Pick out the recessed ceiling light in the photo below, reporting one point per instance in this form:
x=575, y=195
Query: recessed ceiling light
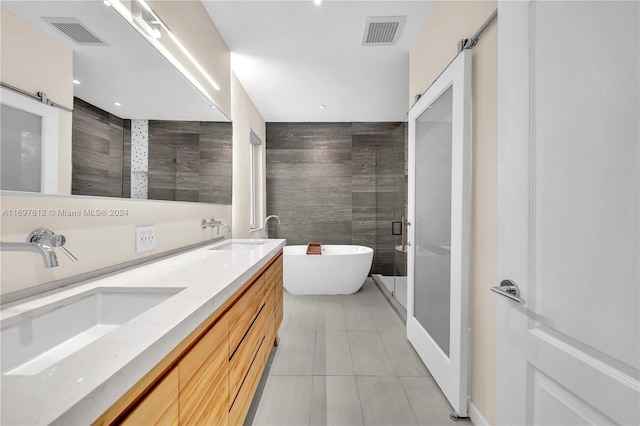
x=323, y=106
x=318, y=2
x=117, y=103
x=76, y=81
x=212, y=106
x=106, y=2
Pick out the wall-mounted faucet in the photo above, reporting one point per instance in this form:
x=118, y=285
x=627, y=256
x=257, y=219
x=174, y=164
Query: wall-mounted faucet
x=266, y=229
x=214, y=224
x=41, y=241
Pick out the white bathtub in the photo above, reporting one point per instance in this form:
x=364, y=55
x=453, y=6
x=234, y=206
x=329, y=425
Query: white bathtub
x=339, y=270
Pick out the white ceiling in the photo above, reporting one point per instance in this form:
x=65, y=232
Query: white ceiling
x=129, y=70
x=291, y=57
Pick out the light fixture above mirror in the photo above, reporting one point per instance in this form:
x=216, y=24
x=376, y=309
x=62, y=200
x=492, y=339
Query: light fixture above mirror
x=145, y=19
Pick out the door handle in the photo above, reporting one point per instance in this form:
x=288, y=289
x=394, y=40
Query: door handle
x=405, y=243
x=510, y=290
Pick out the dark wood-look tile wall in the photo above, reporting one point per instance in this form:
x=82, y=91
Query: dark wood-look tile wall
x=188, y=160
x=335, y=183
x=126, y=159
x=97, y=151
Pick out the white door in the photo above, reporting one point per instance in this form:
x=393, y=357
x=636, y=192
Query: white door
x=568, y=213
x=28, y=144
x=438, y=209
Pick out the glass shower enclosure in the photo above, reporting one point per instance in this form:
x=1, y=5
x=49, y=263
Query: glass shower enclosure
x=391, y=172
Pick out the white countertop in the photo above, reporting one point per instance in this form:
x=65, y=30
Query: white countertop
x=81, y=387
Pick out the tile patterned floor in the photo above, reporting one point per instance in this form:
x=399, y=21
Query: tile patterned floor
x=345, y=360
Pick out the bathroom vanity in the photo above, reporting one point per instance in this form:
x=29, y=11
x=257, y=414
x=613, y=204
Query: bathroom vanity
x=193, y=355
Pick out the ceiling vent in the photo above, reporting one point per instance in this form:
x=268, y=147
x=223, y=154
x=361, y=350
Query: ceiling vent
x=75, y=30
x=382, y=30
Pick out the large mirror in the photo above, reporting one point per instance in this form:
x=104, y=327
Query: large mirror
x=140, y=128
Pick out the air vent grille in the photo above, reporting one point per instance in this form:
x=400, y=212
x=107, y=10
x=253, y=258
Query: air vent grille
x=383, y=30
x=75, y=30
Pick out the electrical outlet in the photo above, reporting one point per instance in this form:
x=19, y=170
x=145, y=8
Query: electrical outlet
x=145, y=238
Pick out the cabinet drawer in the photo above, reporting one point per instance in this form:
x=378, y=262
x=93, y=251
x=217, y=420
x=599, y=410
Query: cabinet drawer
x=270, y=273
x=279, y=290
x=278, y=264
x=243, y=312
x=278, y=310
x=160, y=406
x=245, y=355
x=241, y=405
x=204, y=390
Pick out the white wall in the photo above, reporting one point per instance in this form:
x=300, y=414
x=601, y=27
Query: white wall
x=247, y=118
x=97, y=242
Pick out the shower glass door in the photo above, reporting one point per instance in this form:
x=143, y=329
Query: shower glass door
x=438, y=232
x=400, y=215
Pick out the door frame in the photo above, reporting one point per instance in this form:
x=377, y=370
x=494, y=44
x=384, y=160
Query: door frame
x=450, y=372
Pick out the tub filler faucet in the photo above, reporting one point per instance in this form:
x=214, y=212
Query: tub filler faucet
x=266, y=230
x=41, y=241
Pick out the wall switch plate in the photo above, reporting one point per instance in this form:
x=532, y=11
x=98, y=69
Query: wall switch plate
x=145, y=238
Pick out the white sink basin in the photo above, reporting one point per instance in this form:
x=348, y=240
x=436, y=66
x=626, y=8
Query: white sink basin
x=239, y=246
x=46, y=335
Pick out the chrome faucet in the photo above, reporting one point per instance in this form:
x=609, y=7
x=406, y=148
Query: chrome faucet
x=214, y=224
x=266, y=230
x=41, y=241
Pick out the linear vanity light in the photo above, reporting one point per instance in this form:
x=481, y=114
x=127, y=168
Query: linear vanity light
x=191, y=58
x=175, y=39
x=144, y=17
x=119, y=7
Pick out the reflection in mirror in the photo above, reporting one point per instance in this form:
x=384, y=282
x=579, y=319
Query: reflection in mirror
x=20, y=154
x=29, y=144
x=140, y=128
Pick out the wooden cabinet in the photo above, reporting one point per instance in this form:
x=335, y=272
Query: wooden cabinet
x=279, y=294
x=212, y=376
x=160, y=406
x=204, y=376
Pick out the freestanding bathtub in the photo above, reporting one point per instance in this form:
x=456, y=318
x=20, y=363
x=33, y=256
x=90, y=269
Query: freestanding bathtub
x=338, y=270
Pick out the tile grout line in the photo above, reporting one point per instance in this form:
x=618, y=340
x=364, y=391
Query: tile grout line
x=313, y=366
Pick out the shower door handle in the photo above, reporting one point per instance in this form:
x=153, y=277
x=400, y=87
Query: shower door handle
x=405, y=243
